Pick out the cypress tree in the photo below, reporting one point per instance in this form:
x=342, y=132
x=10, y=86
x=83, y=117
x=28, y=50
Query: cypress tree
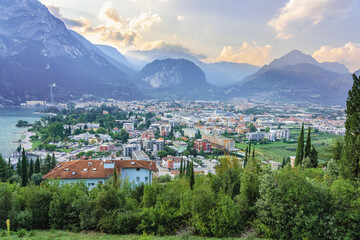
x=115, y=178
x=31, y=168
x=24, y=171
x=249, y=148
x=181, y=167
x=283, y=162
x=300, y=148
x=192, y=177
x=10, y=169
x=37, y=165
x=188, y=168
x=246, y=156
x=18, y=167
x=53, y=161
x=308, y=144
x=3, y=170
x=253, y=153
x=349, y=161
x=313, y=157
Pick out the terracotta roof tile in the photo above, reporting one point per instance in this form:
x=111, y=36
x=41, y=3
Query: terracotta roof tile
x=83, y=169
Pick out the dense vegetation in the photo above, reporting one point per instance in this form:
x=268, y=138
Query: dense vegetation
x=286, y=203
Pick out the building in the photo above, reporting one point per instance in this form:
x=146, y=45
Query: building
x=172, y=162
x=201, y=144
x=128, y=126
x=222, y=142
x=129, y=148
x=153, y=145
x=282, y=134
x=140, y=155
x=180, y=146
x=189, y=132
x=107, y=147
x=165, y=130
x=95, y=172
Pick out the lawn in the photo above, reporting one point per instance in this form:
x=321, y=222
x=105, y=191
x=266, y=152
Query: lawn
x=35, y=144
x=64, y=235
x=275, y=151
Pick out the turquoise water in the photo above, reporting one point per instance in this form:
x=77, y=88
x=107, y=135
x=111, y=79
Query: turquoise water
x=9, y=133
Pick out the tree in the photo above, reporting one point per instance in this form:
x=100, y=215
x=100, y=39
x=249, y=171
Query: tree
x=300, y=148
x=115, y=178
x=308, y=144
x=313, y=157
x=31, y=168
x=3, y=170
x=192, y=177
x=162, y=153
x=37, y=165
x=253, y=153
x=53, y=162
x=181, y=167
x=349, y=162
x=332, y=168
x=46, y=167
x=24, y=171
x=246, y=156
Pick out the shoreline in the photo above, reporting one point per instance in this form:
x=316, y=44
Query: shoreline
x=25, y=141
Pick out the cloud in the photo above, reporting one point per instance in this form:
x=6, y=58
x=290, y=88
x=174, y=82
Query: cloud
x=250, y=53
x=69, y=22
x=180, y=18
x=298, y=15
x=113, y=28
x=347, y=55
x=165, y=46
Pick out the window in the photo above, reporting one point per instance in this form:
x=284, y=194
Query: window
x=100, y=182
x=138, y=179
x=146, y=179
x=138, y=169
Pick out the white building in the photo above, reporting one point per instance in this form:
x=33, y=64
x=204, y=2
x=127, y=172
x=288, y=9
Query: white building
x=129, y=148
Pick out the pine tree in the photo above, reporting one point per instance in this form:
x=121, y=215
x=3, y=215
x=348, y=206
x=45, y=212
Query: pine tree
x=192, y=177
x=37, y=165
x=31, y=168
x=349, y=161
x=308, y=144
x=24, y=171
x=300, y=148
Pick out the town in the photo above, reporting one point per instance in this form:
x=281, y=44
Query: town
x=167, y=133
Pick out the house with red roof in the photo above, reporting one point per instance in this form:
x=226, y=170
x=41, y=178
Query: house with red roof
x=95, y=172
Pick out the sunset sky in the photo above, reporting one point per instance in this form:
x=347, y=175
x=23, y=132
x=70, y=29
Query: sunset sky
x=243, y=31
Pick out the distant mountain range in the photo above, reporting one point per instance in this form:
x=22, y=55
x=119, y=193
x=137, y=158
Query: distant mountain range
x=296, y=77
x=37, y=50
x=215, y=73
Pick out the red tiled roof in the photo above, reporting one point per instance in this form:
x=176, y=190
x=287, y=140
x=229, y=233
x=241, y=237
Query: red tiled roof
x=95, y=168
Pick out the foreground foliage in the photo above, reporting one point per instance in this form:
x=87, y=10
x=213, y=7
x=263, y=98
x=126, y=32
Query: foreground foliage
x=286, y=203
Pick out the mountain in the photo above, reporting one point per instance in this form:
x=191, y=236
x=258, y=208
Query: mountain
x=36, y=50
x=295, y=77
x=173, y=78
x=236, y=71
x=297, y=57
x=142, y=57
x=115, y=54
x=98, y=49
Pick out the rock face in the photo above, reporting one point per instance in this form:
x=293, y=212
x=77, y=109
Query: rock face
x=36, y=50
x=296, y=77
x=173, y=77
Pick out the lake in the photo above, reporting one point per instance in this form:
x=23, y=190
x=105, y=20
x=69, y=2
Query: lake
x=9, y=133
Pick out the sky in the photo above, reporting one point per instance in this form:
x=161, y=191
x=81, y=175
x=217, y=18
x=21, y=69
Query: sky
x=243, y=31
